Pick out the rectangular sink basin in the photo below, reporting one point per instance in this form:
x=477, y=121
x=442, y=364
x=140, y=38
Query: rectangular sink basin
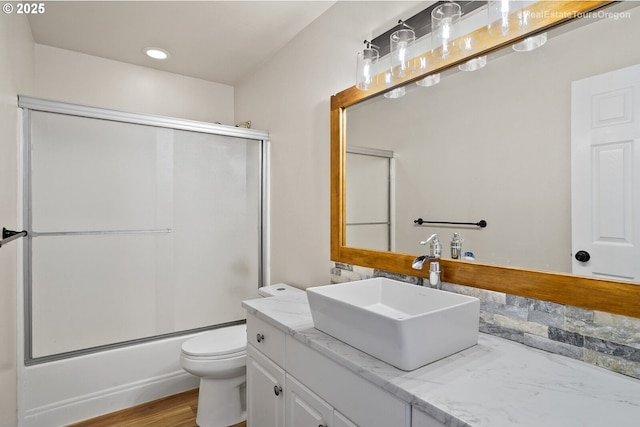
x=407, y=326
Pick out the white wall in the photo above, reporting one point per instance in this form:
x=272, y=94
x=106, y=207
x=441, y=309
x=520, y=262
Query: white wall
x=290, y=96
x=63, y=75
x=16, y=67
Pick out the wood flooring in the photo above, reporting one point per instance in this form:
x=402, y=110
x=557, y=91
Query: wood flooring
x=173, y=411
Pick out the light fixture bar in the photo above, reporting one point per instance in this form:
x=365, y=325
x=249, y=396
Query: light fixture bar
x=421, y=23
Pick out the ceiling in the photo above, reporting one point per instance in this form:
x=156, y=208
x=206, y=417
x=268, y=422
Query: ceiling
x=219, y=41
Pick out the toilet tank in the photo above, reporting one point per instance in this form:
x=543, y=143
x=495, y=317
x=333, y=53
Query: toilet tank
x=279, y=290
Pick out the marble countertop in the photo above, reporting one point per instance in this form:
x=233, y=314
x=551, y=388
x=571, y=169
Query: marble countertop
x=493, y=384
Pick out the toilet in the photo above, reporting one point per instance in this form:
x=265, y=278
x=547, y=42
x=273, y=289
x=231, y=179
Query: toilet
x=219, y=358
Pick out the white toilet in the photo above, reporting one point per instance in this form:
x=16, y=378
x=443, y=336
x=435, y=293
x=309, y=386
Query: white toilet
x=219, y=358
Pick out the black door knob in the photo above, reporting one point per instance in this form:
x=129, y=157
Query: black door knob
x=583, y=256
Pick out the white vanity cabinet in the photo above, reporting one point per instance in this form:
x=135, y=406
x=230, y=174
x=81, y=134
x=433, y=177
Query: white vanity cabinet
x=265, y=375
x=340, y=420
x=304, y=407
x=265, y=391
x=313, y=389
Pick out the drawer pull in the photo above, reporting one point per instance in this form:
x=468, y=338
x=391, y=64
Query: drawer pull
x=277, y=390
x=260, y=337
x=322, y=425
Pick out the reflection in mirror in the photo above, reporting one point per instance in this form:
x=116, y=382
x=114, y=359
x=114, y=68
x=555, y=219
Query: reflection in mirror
x=494, y=144
x=370, y=189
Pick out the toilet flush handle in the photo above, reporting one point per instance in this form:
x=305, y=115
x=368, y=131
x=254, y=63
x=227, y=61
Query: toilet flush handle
x=260, y=337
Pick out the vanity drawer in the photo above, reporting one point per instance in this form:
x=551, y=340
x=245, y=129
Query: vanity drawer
x=266, y=338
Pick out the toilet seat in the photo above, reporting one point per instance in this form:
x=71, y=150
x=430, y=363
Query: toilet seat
x=222, y=343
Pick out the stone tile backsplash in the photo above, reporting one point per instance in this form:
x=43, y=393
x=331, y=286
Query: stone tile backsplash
x=607, y=340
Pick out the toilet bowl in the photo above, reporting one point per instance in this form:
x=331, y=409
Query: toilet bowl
x=219, y=358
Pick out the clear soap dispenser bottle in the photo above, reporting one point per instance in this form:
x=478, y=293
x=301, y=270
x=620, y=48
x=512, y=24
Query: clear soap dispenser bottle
x=456, y=246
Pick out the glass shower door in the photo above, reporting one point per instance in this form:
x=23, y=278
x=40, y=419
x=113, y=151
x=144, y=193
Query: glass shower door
x=136, y=231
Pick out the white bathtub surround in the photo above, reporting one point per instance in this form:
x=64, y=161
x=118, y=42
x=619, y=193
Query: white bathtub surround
x=607, y=340
x=71, y=390
x=496, y=383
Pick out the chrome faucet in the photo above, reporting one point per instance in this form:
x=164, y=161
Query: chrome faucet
x=419, y=261
x=434, y=268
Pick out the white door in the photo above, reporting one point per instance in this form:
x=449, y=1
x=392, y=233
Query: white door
x=605, y=181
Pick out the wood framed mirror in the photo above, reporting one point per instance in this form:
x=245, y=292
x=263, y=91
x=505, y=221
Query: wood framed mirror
x=604, y=295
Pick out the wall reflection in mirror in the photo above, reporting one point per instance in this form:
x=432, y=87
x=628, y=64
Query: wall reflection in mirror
x=494, y=144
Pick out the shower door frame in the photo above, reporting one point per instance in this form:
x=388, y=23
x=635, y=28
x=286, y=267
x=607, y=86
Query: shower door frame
x=28, y=104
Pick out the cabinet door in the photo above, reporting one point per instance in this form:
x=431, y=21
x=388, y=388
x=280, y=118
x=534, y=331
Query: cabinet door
x=305, y=408
x=265, y=391
x=340, y=420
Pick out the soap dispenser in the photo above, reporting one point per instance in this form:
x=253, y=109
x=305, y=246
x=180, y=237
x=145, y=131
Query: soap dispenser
x=456, y=246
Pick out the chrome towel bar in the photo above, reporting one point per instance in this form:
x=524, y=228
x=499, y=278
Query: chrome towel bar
x=482, y=223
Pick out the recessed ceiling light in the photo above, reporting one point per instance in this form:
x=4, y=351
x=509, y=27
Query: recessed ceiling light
x=156, y=53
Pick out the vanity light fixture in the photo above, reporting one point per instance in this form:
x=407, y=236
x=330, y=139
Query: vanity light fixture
x=530, y=43
x=431, y=80
x=474, y=64
x=444, y=27
x=401, y=42
x=499, y=13
x=398, y=92
x=395, y=93
x=365, y=74
x=156, y=53
x=441, y=17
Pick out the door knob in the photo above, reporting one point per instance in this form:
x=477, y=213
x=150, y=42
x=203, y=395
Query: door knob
x=583, y=256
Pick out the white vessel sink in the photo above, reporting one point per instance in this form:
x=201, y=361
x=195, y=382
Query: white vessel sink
x=405, y=325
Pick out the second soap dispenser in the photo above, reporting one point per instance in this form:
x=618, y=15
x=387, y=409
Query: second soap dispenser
x=456, y=246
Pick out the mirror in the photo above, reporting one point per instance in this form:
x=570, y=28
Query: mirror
x=529, y=216
x=491, y=145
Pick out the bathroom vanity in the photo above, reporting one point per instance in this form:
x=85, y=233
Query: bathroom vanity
x=290, y=384
x=298, y=376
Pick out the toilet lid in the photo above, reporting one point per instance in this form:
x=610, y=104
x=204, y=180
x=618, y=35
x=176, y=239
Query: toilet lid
x=226, y=340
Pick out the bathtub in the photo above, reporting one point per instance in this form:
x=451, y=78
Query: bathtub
x=75, y=389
